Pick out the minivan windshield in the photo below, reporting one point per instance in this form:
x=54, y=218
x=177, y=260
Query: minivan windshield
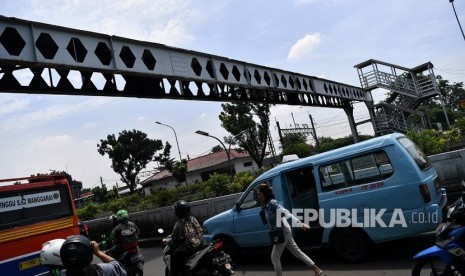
x=415, y=152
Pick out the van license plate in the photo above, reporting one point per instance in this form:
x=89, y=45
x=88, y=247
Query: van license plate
x=29, y=263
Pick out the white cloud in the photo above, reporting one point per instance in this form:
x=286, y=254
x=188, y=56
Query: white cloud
x=14, y=104
x=161, y=21
x=23, y=118
x=302, y=2
x=173, y=33
x=91, y=125
x=303, y=47
x=57, y=141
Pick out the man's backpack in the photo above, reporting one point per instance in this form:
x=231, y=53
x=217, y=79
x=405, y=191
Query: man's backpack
x=129, y=238
x=193, y=233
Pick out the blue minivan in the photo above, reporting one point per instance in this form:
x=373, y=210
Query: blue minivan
x=377, y=190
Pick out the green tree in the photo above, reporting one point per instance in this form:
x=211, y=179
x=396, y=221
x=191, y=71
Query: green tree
x=129, y=153
x=460, y=124
x=165, y=156
x=328, y=143
x=178, y=170
x=68, y=177
x=218, y=184
x=113, y=193
x=239, y=117
x=301, y=149
x=295, y=143
x=293, y=138
x=100, y=194
x=451, y=93
x=433, y=141
x=217, y=148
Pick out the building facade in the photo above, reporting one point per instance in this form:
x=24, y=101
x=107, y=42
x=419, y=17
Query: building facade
x=199, y=169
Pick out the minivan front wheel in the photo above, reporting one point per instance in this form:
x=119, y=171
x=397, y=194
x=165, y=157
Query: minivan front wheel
x=351, y=245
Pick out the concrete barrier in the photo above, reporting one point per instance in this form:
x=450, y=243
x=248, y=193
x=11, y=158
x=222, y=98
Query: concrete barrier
x=149, y=221
x=451, y=171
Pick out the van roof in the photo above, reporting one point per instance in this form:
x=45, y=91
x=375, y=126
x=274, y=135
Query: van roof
x=339, y=153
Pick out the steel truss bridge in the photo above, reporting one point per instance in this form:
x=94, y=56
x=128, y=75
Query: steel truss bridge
x=39, y=58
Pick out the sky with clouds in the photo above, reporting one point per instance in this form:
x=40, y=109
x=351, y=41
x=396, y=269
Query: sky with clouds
x=322, y=38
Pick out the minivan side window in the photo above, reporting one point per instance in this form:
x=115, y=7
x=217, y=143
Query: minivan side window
x=250, y=200
x=302, y=187
x=358, y=170
x=420, y=158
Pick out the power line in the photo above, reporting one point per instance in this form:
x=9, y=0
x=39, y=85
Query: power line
x=451, y=71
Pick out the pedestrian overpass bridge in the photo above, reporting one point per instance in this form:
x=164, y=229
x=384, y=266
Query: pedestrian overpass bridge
x=39, y=58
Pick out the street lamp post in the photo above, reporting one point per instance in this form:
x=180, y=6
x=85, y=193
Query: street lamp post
x=176, y=137
x=458, y=21
x=225, y=149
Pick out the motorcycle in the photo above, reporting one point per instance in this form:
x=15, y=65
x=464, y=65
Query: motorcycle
x=447, y=257
x=132, y=260
x=210, y=260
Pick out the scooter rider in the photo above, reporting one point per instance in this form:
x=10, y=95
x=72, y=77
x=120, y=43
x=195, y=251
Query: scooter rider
x=119, y=237
x=107, y=243
x=186, y=239
x=76, y=254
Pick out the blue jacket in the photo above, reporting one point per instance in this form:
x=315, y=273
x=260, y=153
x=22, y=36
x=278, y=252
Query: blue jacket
x=270, y=209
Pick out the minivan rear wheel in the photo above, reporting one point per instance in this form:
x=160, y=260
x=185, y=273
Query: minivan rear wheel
x=351, y=245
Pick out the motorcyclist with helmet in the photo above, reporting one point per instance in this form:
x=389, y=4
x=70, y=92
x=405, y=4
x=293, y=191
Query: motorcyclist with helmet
x=186, y=238
x=76, y=254
x=123, y=222
x=107, y=243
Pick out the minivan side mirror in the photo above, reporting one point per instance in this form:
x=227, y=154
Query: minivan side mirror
x=238, y=207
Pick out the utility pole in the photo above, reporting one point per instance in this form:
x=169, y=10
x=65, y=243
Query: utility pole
x=272, y=149
x=314, y=131
x=292, y=114
x=279, y=133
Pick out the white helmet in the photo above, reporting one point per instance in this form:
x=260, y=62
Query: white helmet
x=50, y=253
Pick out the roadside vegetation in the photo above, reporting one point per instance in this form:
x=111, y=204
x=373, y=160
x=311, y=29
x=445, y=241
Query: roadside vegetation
x=217, y=185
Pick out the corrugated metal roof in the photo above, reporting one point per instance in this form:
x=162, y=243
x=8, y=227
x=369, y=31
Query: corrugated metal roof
x=213, y=159
x=201, y=162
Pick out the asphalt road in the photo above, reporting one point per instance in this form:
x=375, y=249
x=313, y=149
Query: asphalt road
x=388, y=259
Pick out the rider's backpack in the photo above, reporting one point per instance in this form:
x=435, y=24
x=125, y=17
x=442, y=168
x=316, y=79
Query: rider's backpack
x=129, y=238
x=193, y=233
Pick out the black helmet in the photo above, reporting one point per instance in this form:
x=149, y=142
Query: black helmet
x=76, y=251
x=182, y=208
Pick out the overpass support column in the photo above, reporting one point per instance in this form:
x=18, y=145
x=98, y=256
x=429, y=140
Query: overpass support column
x=349, y=110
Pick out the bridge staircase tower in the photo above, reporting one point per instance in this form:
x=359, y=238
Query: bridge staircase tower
x=408, y=89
